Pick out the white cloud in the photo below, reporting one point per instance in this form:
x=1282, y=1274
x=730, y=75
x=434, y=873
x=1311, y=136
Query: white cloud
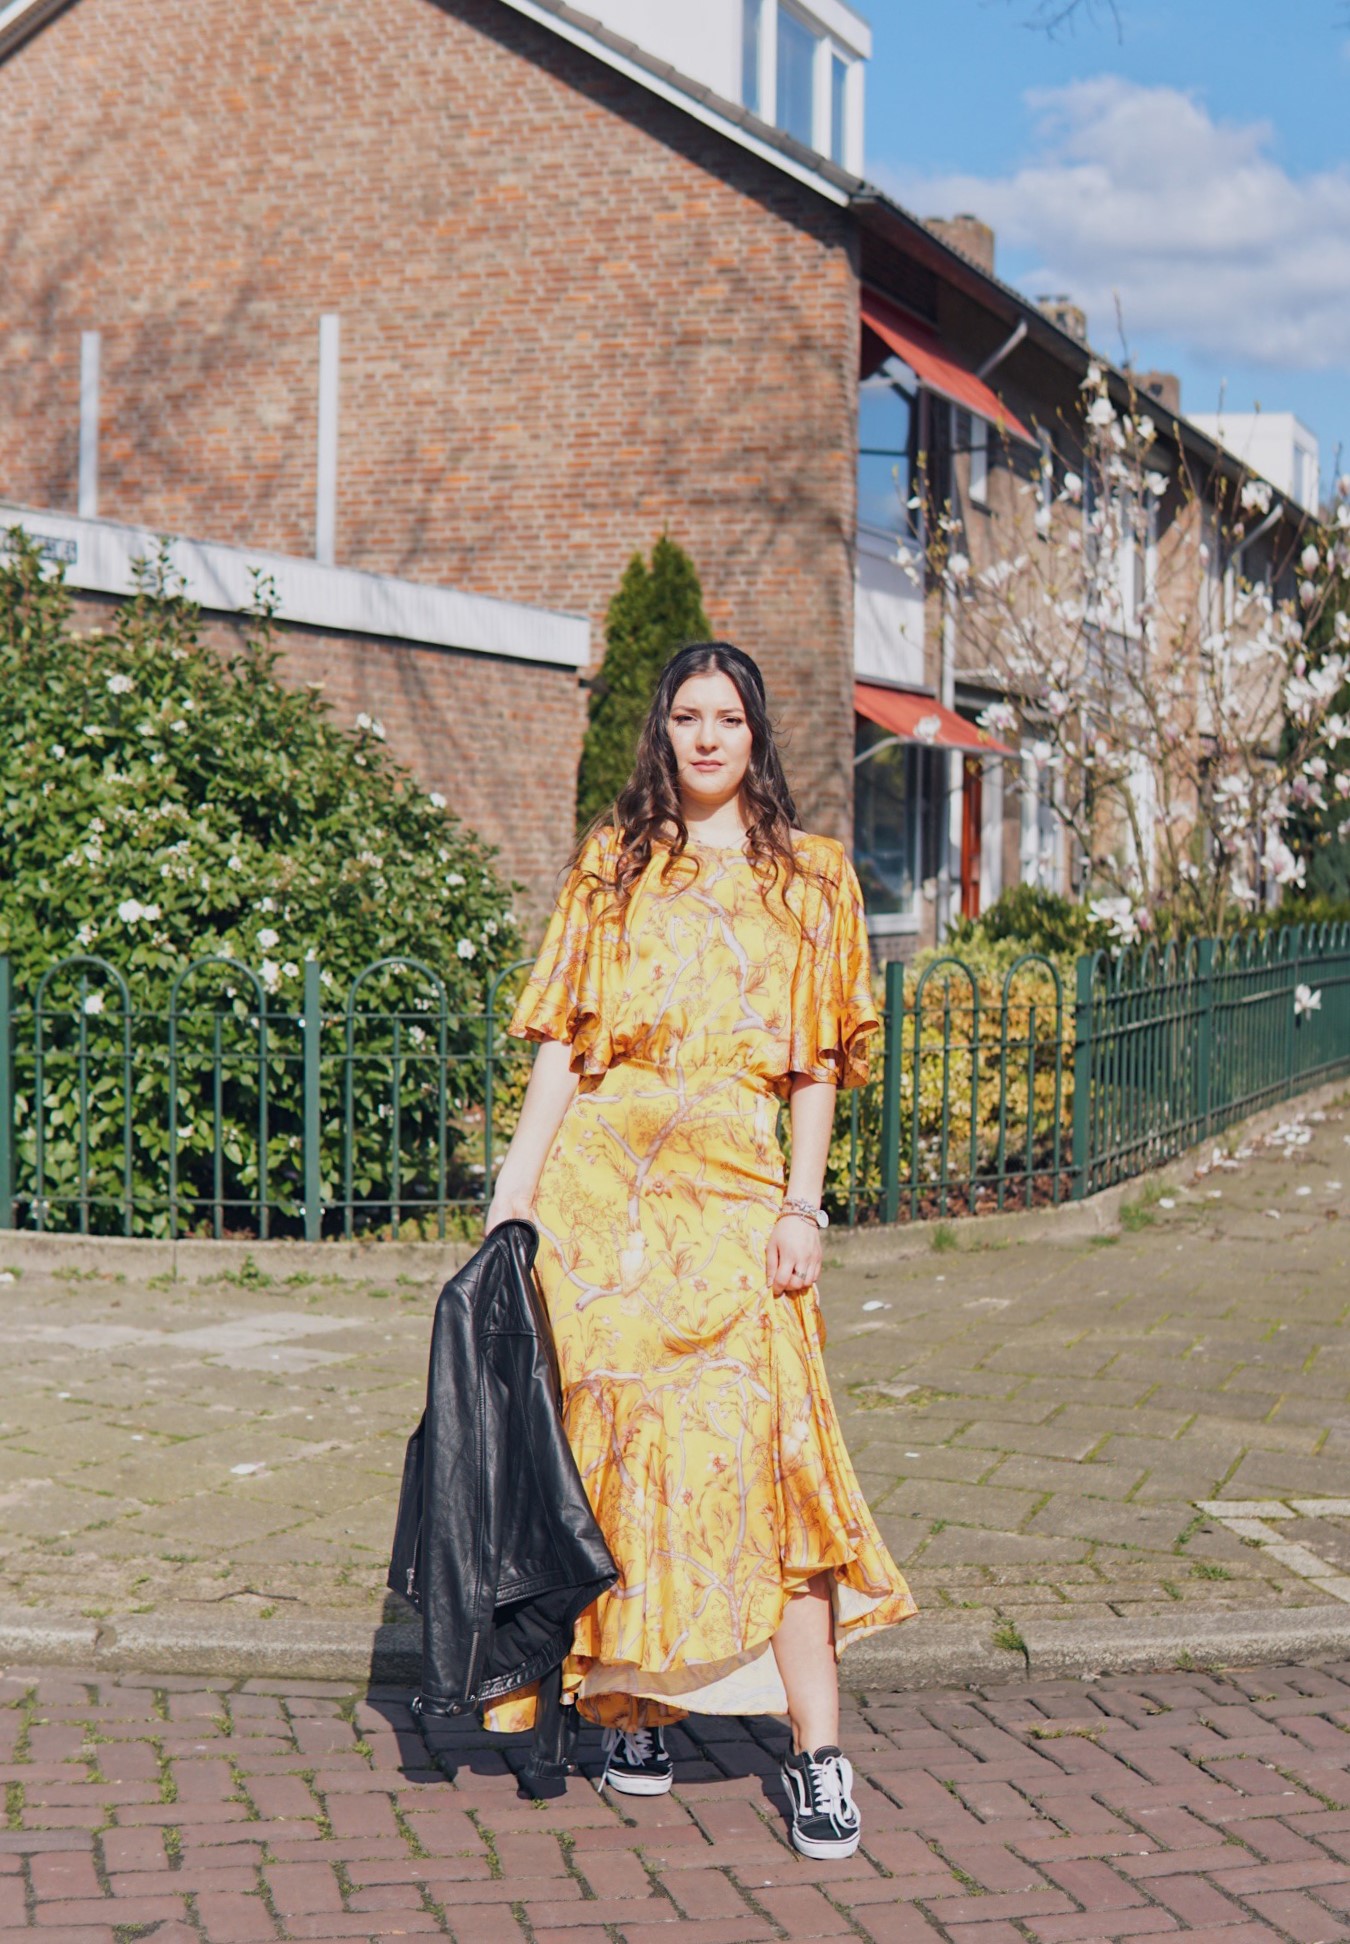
x=1137, y=191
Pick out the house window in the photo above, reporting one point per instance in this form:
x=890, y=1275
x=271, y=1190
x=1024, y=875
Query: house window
x=796, y=78
x=1045, y=506
x=1042, y=832
x=979, y=461
x=752, y=28
x=972, y=437
x=838, y=109
x=898, y=810
x=885, y=453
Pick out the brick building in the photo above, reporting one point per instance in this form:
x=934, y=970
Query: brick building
x=482, y=295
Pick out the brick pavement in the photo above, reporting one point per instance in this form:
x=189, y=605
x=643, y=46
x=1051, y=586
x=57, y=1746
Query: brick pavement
x=201, y=1812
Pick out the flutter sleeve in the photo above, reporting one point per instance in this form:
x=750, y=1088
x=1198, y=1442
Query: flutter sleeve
x=832, y=1007
x=564, y=996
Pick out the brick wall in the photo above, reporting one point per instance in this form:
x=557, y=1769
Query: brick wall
x=571, y=317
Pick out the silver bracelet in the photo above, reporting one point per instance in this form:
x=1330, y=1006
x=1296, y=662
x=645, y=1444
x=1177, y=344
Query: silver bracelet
x=808, y=1211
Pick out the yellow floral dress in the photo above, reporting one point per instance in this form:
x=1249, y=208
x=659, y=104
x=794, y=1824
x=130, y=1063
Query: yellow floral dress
x=696, y=1400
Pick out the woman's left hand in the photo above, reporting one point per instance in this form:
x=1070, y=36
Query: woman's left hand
x=793, y=1259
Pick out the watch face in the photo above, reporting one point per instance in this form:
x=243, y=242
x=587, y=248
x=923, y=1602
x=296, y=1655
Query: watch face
x=822, y=1219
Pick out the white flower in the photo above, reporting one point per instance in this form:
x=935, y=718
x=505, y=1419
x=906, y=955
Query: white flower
x=1310, y=560
x=958, y=566
x=150, y=911
x=1156, y=483
x=1073, y=487
x=267, y=904
x=1286, y=868
x=1101, y=412
x=270, y=973
x=58, y=752
x=94, y=1002
x=130, y=910
x=120, y=685
x=290, y=970
x=377, y=730
x=1306, y=1000
x=234, y=863
x=178, y=726
x=466, y=948
x=87, y=933
x=1120, y=916
x=1256, y=496
x=999, y=717
x=267, y=938
x=1307, y=592
x=454, y=879
x=436, y=800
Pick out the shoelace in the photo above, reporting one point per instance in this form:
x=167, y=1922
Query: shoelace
x=830, y=1789
x=637, y=1749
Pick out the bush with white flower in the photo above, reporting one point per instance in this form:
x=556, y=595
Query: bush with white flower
x=164, y=803
x=1181, y=646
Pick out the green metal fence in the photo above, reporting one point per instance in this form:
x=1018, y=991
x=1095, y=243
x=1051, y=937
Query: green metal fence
x=1171, y=1048
x=382, y=1109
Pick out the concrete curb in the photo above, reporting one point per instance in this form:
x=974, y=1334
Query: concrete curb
x=433, y=1262
x=205, y=1261
x=906, y=1659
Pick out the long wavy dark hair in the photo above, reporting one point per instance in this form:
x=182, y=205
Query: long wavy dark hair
x=647, y=811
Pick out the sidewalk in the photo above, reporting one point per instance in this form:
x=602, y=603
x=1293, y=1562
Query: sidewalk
x=195, y=1812
x=1039, y=1425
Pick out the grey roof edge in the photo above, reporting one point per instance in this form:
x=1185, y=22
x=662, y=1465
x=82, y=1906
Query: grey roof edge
x=26, y=22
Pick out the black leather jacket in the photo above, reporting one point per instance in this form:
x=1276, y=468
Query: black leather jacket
x=495, y=1541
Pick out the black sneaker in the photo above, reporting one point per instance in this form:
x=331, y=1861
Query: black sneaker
x=825, y=1819
x=636, y=1763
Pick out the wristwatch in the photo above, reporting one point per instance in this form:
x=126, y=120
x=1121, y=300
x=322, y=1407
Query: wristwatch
x=792, y=1206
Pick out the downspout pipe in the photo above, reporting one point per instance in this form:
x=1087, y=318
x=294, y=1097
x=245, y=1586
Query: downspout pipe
x=1005, y=350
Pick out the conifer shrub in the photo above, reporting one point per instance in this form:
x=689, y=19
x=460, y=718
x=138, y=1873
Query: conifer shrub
x=656, y=610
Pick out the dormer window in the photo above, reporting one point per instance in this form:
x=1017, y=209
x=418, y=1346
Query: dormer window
x=802, y=70
x=796, y=103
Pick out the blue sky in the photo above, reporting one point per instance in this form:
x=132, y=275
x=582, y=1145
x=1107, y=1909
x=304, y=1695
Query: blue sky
x=1195, y=167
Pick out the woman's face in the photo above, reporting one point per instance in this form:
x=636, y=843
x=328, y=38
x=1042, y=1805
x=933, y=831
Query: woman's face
x=711, y=739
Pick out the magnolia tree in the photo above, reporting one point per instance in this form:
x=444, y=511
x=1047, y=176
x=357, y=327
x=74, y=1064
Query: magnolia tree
x=1176, y=651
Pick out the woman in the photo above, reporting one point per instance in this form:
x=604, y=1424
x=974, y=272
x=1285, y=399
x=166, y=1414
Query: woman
x=706, y=961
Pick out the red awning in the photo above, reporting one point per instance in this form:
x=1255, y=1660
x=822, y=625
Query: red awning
x=921, y=350
x=919, y=719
